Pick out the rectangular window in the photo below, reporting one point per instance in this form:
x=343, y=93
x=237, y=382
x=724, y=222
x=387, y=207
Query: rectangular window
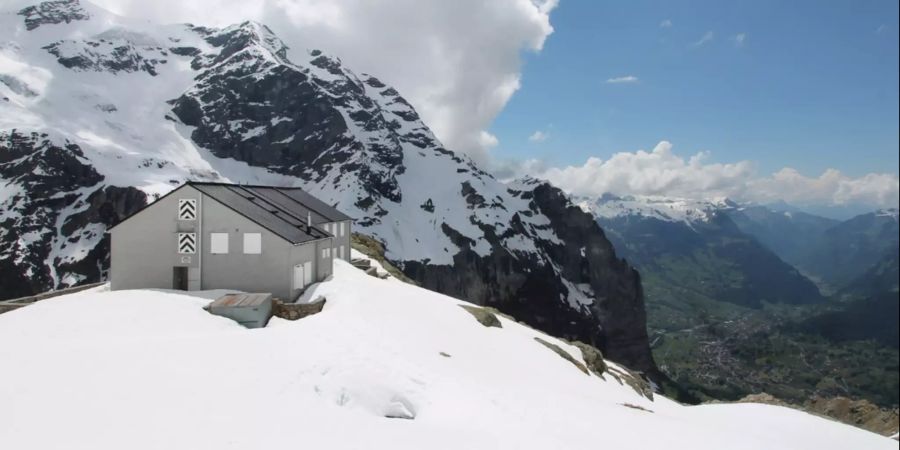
x=218, y=243
x=342, y=228
x=327, y=227
x=326, y=253
x=341, y=252
x=298, y=277
x=252, y=243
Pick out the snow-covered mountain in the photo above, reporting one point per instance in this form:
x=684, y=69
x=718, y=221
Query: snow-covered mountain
x=100, y=114
x=384, y=365
x=667, y=209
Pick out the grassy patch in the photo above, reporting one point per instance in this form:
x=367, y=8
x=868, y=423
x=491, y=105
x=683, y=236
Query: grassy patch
x=485, y=316
x=593, y=359
x=638, y=407
x=373, y=249
x=564, y=354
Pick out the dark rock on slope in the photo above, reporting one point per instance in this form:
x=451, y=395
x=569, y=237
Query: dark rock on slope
x=52, y=231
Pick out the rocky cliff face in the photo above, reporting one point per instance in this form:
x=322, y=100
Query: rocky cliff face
x=101, y=114
x=54, y=215
x=536, y=287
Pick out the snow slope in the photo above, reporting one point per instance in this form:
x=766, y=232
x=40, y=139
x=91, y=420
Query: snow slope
x=152, y=370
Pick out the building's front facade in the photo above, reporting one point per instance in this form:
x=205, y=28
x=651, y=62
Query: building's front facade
x=221, y=236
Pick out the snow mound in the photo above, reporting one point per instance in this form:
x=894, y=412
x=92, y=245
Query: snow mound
x=384, y=365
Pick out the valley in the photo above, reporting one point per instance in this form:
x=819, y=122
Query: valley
x=728, y=317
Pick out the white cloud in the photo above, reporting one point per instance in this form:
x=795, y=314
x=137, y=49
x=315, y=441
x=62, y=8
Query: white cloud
x=706, y=38
x=622, y=80
x=662, y=172
x=457, y=62
x=881, y=29
x=739, y=39
x=487, y=140
x=665, y=24
x=538, y=136
x=830, y=188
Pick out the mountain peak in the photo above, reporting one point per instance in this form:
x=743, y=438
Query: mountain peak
x=53, y=12
x=667, y=209
x=247, y=35
x=893, y=213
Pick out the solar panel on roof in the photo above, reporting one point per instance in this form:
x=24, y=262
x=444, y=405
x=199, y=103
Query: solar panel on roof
x=284, y=211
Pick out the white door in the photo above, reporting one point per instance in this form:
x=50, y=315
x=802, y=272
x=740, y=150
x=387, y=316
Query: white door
x=298, y=277
x=307, y=273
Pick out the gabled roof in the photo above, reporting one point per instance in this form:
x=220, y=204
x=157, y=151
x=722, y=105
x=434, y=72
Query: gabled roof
x=281, y=210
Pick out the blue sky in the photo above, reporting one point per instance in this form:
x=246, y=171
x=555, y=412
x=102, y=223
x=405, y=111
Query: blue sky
x=813, y=85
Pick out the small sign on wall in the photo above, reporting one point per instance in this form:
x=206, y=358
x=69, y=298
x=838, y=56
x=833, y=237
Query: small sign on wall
x=187, y=209
x=187, y=243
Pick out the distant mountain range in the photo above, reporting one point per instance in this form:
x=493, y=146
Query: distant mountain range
x=730, y=283
x=831, y=252
x=789, y=234
x=697, y=246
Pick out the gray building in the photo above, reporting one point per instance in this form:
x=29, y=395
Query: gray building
x=228, y=236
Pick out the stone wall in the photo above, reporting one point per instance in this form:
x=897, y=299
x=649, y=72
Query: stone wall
x=16, y=303
x=294, y=311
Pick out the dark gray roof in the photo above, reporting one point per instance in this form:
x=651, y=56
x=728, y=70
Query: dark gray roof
x=281, y=210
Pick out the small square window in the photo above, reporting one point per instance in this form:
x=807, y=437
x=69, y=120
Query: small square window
x=218, y=243
x=252, y=243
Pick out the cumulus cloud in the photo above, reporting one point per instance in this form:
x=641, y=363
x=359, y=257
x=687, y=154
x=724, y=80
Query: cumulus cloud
x=538, y=136
x=665, y=24
x=622, y=80
x=705, y=39
x=457, y=62
x=663, y=172
x=739, y=39
x=830, y=188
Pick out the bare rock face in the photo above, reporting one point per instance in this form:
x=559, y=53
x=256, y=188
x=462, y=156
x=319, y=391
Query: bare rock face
x=860, y=413
x=53, y=12
x=52, y=225
x=530, y=288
